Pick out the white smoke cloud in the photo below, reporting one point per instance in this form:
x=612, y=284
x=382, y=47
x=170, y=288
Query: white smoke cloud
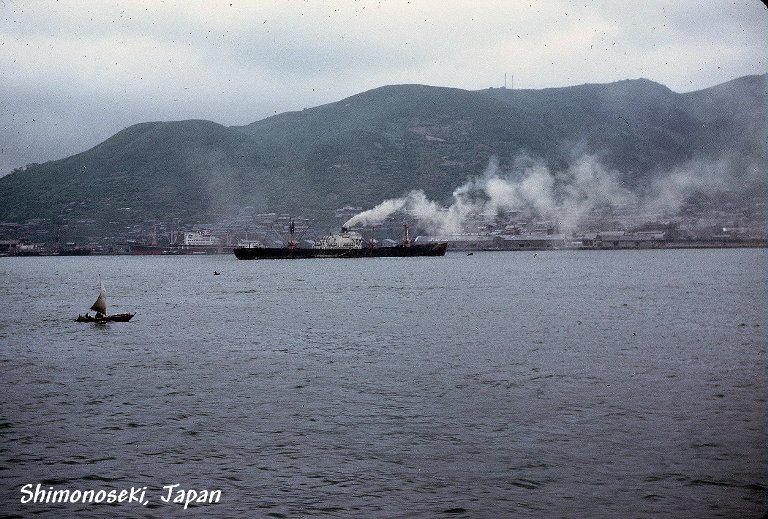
x=586, y=186
x=535, y=189
x=668, y=193
x=565, y=197
x=379, y=213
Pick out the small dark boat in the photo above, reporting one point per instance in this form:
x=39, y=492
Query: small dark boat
x=117, y=318
x=100, y=307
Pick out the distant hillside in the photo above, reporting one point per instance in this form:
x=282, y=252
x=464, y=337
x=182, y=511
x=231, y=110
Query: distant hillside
x=383, y=143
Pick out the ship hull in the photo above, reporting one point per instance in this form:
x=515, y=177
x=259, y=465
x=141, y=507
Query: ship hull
x=398, y=251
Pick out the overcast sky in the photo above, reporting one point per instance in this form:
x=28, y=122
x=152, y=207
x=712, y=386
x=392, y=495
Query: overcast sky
x=73, y=73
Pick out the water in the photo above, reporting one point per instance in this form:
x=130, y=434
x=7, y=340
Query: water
x=549, y=384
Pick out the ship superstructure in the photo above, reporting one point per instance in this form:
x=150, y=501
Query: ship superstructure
x=345, y=239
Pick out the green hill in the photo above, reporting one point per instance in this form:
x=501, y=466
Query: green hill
x=385, y=142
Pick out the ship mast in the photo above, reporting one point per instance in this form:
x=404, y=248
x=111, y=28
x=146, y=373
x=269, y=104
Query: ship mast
x=372, y=240
x=406, y=236
x=291, y=230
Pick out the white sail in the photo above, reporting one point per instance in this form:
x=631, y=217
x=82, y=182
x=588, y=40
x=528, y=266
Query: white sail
x=100, y=305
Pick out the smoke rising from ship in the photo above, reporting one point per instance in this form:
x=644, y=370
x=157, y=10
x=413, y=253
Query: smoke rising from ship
x=565, y=197
x=379, y=213
x=584, y=186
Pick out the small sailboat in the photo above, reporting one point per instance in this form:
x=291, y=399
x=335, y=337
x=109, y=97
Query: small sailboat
x=100, y=307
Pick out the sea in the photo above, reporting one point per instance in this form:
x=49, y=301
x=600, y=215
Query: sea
x=574, y=384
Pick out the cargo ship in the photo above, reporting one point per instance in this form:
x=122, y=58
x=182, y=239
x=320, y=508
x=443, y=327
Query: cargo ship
x=345, y=244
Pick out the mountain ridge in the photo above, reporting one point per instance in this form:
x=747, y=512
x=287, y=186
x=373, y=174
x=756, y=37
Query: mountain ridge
x=384, y=142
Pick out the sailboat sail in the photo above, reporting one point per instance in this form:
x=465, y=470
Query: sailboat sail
x=100, y=305
x=101, y=311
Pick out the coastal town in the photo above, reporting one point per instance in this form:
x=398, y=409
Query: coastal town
x=615, y=228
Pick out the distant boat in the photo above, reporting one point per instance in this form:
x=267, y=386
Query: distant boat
x=346, y=244
x=100, y=307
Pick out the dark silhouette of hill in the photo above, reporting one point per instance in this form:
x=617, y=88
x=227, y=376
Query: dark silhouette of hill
x=384, y=142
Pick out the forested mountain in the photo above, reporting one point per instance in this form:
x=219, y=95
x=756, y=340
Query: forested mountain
x=384, y=142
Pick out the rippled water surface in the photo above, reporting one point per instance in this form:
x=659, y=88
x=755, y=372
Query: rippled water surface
x=559, y=384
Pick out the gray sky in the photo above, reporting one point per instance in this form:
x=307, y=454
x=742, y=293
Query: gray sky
x=73, y=73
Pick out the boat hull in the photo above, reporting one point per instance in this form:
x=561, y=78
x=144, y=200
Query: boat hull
x=114, y=318
x=398, y=251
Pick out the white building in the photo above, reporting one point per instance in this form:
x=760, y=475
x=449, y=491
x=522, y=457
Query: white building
x=200, y=239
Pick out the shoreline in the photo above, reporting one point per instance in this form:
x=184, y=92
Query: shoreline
x=695, y=244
